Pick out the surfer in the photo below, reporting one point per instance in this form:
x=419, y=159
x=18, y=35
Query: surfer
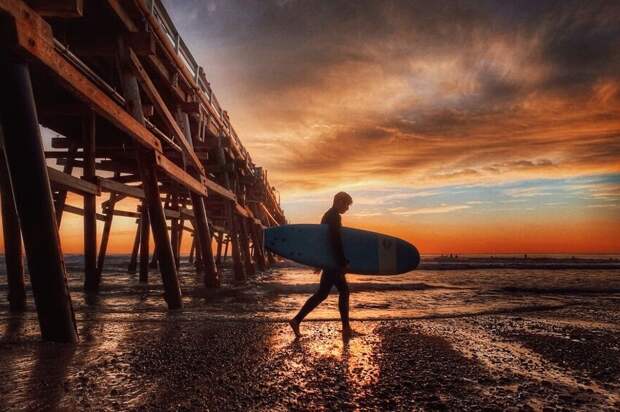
x=331, y=277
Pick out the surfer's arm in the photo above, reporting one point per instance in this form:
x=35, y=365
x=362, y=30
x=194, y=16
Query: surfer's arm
x=336, y=241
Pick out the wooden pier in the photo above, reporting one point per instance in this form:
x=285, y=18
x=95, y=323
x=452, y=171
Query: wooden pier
x=136, y=118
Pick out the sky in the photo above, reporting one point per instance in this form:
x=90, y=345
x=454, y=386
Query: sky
x=471, y=127
x=463, y=127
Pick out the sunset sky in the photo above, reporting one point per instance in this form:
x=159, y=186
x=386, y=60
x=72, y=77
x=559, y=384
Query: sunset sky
x=463, y=127
x=487, y=126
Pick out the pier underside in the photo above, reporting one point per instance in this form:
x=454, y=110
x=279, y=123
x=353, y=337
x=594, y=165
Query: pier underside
x=135, y=122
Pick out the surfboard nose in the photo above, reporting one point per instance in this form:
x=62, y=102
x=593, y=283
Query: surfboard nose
x=408, y=257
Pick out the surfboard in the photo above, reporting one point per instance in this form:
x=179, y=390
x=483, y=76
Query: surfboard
x=369, y=253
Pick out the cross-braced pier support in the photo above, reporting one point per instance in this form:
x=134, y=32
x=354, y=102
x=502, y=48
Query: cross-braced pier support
x=33, y=200
x=134, y=112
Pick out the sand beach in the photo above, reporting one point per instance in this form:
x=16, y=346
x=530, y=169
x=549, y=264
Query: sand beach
x=478, y=339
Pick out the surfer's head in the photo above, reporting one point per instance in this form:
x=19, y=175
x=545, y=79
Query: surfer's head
x=342, y=201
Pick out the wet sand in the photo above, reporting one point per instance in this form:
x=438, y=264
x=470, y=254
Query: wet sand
x=232, y=350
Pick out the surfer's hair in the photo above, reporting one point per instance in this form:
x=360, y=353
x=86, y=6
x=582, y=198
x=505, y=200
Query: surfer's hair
x=343, y=197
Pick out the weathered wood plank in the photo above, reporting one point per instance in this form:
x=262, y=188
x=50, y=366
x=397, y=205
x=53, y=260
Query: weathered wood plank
x=13, y=254
x=91, y=278
x=122, y=15
x=144, y=245
x=220, y=190
x=80, y=212
x=72, y=184
x=34, y=37
x=161, y=108
x=179, y=175
x=108, y=185
x=58, y=8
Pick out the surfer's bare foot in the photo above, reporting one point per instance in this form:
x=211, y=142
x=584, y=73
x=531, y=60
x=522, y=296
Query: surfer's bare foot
x=348, y=332
x=295, y=326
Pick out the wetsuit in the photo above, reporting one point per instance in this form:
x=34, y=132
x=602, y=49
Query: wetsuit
x=331, y=277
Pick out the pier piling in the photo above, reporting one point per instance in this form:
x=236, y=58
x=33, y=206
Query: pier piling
x=144, y=244
x=33, y=200
x=12, y=242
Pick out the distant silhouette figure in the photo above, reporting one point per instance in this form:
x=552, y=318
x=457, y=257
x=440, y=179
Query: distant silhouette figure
x=330, y=278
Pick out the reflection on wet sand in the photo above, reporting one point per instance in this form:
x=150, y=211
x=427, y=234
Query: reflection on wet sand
x=428, y=340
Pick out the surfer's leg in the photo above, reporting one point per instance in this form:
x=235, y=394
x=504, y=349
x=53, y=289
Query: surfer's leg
x=343, y=298
x=319, y=296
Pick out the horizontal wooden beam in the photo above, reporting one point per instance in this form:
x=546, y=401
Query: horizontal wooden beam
x=187, y=213
x=125, y=213
x=179, y=175
x=219, y=229
x=112, y=186
x=165, y=74
x=58, y=8
x=142, y=43
x=122, y=15
x=219, y=189
x=70, y=183
x=169, y=213
x=79, y=211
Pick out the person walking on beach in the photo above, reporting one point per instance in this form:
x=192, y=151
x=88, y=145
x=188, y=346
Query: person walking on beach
x=331, y=277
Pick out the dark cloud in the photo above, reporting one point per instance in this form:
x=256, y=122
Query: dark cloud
x=283, y=44
x=448, y=89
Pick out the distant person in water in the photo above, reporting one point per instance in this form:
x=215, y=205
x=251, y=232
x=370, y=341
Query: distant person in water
x=331, y=277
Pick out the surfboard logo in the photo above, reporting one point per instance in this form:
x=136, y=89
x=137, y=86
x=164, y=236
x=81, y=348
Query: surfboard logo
x=387, y=255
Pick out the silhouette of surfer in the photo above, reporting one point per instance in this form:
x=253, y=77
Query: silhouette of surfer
x=331, y=277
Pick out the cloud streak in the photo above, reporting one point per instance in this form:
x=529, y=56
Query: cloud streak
x=427, y=92
x=429, y=210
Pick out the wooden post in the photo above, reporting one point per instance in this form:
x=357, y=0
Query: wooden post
x=226, y=247
x=133, y=261
x=144, y=244
x=23, y=150
x=105, y=235
x=245, y=247
x=191, y=250
x=62, y=194
x=146, y=165
x=153, y=264
x=211, y=276
x=271, y=259
x=257, y=241
x=91, y=278
x=238, y=266
x=174, y=227
x=220, y=241
x=198, y=260
x=12, y=242
x=180, y=234
x=167, y=267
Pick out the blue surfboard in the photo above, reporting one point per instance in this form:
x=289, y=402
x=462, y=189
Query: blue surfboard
x=368, y=253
